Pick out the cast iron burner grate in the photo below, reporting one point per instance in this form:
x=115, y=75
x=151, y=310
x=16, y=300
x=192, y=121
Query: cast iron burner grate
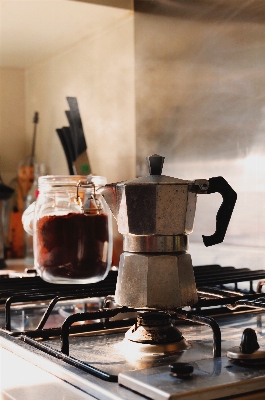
x=34, y=288
x=210, y=281
x=206, y=275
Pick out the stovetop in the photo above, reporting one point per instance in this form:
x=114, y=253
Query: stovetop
x=77, y=333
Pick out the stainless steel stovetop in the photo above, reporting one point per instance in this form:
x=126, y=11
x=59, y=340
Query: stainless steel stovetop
x=96, y=345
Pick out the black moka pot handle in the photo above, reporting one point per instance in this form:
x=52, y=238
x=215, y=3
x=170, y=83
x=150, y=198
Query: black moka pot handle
x=220, y=185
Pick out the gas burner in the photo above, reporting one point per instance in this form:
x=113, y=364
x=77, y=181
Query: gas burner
x=151, y=337
x=155, y=327
x=249, y=351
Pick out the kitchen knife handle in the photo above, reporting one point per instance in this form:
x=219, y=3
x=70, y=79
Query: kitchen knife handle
x=66, y=149
x=220, y=185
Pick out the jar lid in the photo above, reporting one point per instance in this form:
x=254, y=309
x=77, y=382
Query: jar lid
x=70, y=180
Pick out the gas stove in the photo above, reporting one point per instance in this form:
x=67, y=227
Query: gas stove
x=80, y=335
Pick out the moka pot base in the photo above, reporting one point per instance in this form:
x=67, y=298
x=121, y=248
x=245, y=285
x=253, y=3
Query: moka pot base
x=156, y=280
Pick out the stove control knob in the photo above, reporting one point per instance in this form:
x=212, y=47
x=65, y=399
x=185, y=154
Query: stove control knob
x=249, y=341
x=181, y=370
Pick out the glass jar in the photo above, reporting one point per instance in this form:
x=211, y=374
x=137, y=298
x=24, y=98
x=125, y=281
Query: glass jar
x=72, y=229
x=39, y=170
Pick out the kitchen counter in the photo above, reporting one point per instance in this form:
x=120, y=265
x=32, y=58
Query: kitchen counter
x=22, y=380
x=16, y=266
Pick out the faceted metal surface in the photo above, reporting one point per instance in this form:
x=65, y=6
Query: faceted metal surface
x=155, y=281
x=156, y=209
x=153, y=204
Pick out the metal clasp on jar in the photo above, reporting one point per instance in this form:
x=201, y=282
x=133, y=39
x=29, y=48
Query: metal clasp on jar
x=89, y=205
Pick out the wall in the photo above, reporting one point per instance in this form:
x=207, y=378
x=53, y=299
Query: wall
x=99, y=71
x=190, y=83
x=12, y=121
x=200, y=102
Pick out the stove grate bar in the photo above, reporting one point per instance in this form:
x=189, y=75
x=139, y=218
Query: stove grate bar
x=223, y=279
x=35, y=298
x=208, y=297
x=70, y=360
x=48, y=311
x=209, y=275
x=217, y=275
x=87, y=328
x=217, y=292
x=64, y=353
x=212, y=297
x=91, y=315
x=259, y=302
x=35, y=286
x=204, y=320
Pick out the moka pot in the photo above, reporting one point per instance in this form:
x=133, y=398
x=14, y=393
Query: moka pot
x=155, y=215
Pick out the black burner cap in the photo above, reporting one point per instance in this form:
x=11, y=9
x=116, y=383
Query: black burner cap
x=249, y=341
x=181, y=369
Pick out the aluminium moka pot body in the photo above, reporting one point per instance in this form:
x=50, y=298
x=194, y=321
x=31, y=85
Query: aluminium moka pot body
x=155, y=215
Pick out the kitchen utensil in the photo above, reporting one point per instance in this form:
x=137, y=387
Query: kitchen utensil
x=66, y=142
x=26, y=169
x=5, y=193
x=72, y=133
x=35, y=122
x=81, y=163
x=155, y=215
x=24, y=181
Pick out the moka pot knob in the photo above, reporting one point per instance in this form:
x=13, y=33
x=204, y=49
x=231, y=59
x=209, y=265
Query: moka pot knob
x=155, y=164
